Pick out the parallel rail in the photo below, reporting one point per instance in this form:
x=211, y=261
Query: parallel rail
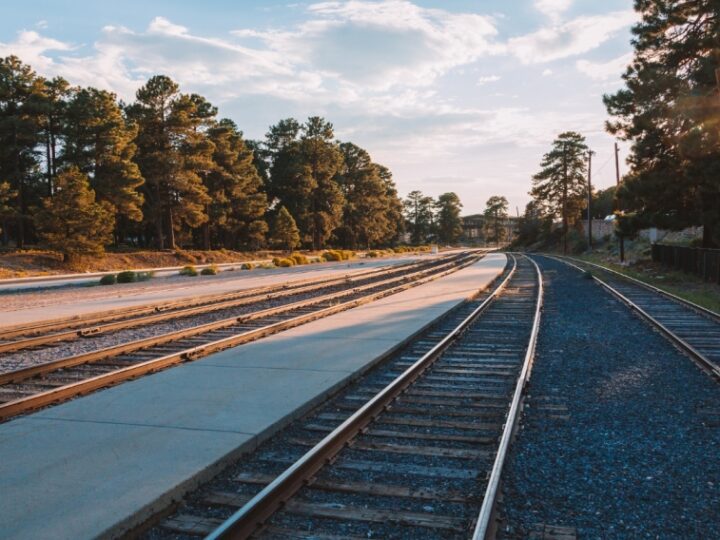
x=694, y=329
x=63, y=379
x=68, y=329
x=458, y=394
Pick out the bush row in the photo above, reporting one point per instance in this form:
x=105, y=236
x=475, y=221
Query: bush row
x=127, y=276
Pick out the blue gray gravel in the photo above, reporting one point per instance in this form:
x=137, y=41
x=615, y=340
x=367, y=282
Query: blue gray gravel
x=621, y=436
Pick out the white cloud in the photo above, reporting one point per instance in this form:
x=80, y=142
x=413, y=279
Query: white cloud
x=379, y=45
x=547, y=72
x=612, y=69
x=553, y=8
x=487, y=79
x=574, y=37
x=31, y=48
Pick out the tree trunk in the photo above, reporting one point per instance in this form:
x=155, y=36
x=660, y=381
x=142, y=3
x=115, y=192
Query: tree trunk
x=171, y=229
x=206, y=236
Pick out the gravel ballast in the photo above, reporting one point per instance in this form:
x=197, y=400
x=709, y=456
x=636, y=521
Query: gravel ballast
x=620, y=433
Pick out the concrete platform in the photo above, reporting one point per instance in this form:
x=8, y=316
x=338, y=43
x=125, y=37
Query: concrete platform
x=97, y=465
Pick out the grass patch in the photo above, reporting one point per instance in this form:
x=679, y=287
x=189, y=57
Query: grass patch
x=211, y=270
x=686, y=286
x=110, y=279
x=128, y=276
x=189, y=271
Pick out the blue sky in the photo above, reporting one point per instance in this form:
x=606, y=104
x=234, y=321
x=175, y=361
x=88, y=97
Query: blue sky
x=460, y=96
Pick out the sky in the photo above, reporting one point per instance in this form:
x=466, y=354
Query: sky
x=454, y=95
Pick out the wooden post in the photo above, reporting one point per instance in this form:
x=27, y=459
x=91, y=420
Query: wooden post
x=617, y=180
x=589, y=208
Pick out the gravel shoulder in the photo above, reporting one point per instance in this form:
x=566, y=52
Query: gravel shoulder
x=620, y=432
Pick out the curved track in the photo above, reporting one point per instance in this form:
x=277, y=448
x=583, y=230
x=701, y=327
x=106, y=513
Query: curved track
x=34, y=387
x=694, y=329
x=415, y=449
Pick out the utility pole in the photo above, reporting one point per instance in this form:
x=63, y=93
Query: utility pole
x=617, y=179
x=589, y=208
x=564, y=201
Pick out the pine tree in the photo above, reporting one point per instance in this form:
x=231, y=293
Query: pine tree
x=238, y=203
x=6, y=208
x=418, y=210
x=366, y=215
x=20, y=136
x=173, y=154
x=560, y=187
x=72, y=221
x=100, y=142
x=394, y=208
x=449, y=222
x=51, y=101
x=320, y=162
x=285, y=234
x=496, y=208
x=669, y=110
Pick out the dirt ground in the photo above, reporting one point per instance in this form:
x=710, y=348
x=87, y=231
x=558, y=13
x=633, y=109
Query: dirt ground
x=28, y=263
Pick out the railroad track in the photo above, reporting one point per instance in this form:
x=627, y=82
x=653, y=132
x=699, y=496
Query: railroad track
x=694, y=329
x=30, y=388
x=414, y=449
x=36, y=335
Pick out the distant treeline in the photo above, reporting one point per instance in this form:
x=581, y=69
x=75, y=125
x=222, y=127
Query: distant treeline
x=80, y=170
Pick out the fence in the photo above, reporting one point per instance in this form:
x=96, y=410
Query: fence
x=701, y=262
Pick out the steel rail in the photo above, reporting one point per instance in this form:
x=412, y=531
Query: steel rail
x=42, y=399
x=252, y=516
x=215, y=303
x=482, y=526
x=700, y=359
x=119, y=313
x=692, y=305
x=143, y=343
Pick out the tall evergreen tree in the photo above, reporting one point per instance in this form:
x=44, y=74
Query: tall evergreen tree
x=669, y=110
x=237, y=202
x=418, y=210
x=20, y=136
x=285, y=234
x=496, y=208
x=560, y=186
x=321, y=160
x=367, y=213
x=449, y=222
x=51, y=105
x=7, y=208
x=72, y=221
x=173, y=153
x=99, y=140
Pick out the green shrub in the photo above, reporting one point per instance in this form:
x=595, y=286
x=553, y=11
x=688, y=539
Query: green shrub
x=347, y=254
x=128, y=276
x=189, y=270
x=332, y=255
x=109, y=279
x=145, y=276
x=267, y=266
x=299, y=258
x=285, y=263
x=247, y=266
x=372, y=254
x=211, y=270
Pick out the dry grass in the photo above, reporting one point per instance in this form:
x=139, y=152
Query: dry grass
x=33, y=262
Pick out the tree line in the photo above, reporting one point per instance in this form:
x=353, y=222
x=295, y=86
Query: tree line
x=670, y=111
x=80, y=170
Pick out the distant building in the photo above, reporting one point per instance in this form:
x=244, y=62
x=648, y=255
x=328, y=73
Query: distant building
x=476, y=229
